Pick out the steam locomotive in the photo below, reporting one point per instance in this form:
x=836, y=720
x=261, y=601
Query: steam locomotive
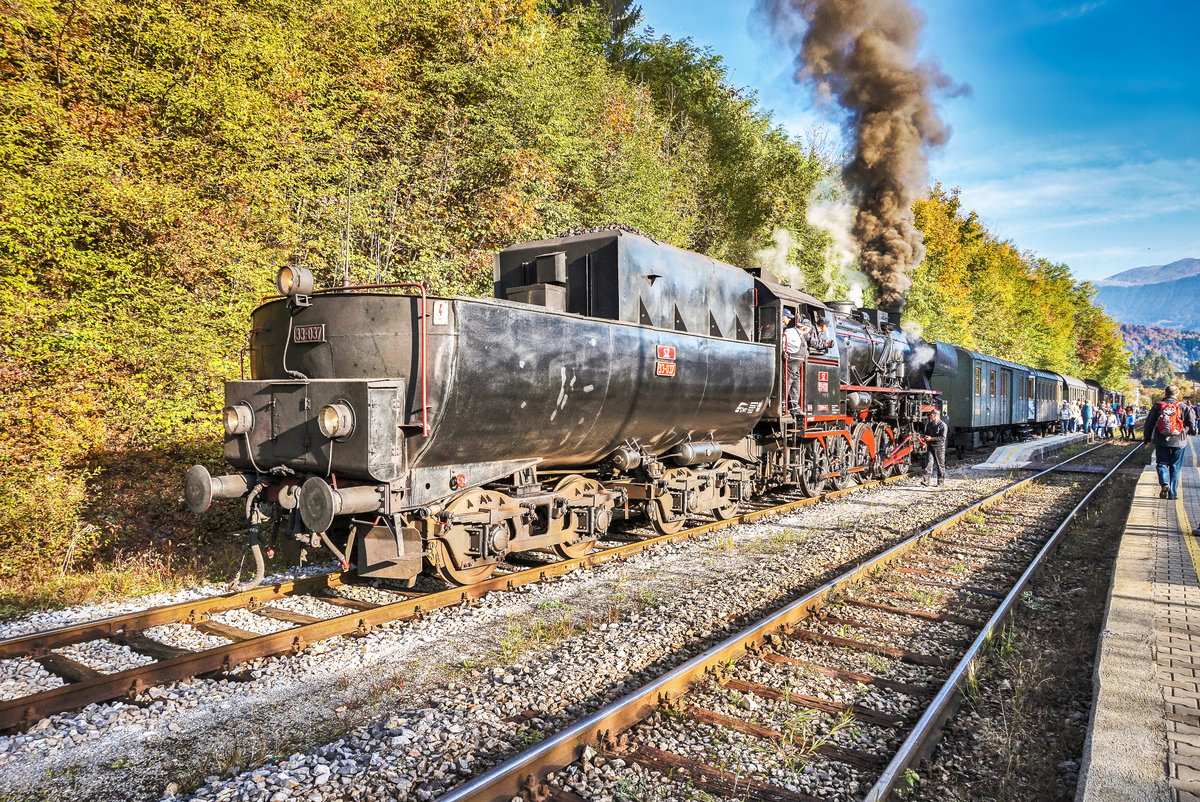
x=611, y=377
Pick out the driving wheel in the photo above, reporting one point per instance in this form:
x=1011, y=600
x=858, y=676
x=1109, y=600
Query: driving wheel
x=814, y=468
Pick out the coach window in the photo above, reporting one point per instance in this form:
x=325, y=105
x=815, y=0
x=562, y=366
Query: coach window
x=992, y=383
x=978, y=381
x=1030, y=388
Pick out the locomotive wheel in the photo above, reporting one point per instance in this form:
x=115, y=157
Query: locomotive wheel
x=730, y=507
x=841, y=459
x=862, y=457
x=884, y=440
x=812, y=472
x=451, y=546
x=573, y=487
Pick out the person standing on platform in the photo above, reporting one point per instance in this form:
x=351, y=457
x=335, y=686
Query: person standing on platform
x=1167, y=426
x=1064, y=418
x=934, y=436
x=1076, y=418
x=1085, y=413
x=1130, y=421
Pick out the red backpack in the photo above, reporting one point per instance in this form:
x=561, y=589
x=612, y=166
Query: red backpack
x=1169, y=421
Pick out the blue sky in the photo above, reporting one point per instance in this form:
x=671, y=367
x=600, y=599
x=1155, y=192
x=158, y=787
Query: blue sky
x=1079, y=139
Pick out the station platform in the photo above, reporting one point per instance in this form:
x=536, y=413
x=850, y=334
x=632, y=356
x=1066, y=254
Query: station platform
x=1020, y=455
x=1143, y=741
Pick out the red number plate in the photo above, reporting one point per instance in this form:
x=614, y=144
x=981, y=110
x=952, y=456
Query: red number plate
x=666, y=352
x=664, y=369
x=823, y=375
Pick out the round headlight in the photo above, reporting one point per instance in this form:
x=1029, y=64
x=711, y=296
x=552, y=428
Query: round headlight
x=238, y=418
x=336, y=420
x=294, y=281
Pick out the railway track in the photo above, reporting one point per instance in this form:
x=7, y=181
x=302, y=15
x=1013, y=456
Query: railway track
x=835, y=696
x=269, y=604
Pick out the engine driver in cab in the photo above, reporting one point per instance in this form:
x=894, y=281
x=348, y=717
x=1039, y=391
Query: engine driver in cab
x=795, y=352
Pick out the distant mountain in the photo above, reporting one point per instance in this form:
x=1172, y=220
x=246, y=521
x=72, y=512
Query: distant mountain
x=1153, y=274
x=1182, y=348
x=1163, y=296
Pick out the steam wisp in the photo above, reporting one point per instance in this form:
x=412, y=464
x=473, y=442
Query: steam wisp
x=863, y=53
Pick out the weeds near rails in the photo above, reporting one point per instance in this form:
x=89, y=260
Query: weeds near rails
x=1036, y=603
x=648, y=598
x=723, y=543
x=522, y=636
x=877, y=663
x=975, y=518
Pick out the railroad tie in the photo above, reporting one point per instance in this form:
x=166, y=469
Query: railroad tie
x=224, y=630
x=915, y=658
x=851, y=676
x=142, y=644
x=863, y=714
x=851, y=757
x=949, y=618
x=711, y=779
x=69, y=670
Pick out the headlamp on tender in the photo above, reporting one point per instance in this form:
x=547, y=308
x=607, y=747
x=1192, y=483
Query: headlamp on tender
x=294, y=281
x=336, y=420
x=238, y=418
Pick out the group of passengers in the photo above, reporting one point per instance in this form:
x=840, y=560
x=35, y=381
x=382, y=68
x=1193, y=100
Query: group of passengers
x=1097, y=421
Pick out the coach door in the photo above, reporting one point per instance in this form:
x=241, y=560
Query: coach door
x=1005, y=396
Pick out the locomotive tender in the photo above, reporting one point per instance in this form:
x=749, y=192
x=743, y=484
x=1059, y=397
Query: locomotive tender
x=612, y=376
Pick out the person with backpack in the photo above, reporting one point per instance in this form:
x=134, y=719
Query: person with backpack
x=1168, y=425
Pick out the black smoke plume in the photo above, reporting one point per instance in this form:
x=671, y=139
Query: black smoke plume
x=863, y=53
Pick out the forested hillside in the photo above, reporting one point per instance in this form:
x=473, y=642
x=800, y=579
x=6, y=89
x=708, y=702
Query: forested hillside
x=1181, y=347
x=159, y=161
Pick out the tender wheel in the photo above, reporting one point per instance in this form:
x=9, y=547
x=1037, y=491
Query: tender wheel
x=452, y=559
x=662, y=524
x=839, y=461
x=573, y=487
x=812, y=472
x=449, y=572
x=729, y=507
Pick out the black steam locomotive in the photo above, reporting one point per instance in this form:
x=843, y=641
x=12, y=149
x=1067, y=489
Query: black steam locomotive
x=612, y=376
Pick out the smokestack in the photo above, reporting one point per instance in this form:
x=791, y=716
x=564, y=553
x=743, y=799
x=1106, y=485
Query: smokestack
x=863, y=53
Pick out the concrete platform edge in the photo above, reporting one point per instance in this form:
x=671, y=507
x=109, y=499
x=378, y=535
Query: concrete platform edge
x=1018, y=455
x=1125, y=752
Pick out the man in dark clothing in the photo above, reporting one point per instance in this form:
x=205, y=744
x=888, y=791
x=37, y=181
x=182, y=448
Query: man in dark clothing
x=934, y=435
x=1168, y=425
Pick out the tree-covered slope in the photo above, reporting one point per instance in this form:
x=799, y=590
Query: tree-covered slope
x=159, y=161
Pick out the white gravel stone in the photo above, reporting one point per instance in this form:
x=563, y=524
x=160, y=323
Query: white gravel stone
x=418, y=702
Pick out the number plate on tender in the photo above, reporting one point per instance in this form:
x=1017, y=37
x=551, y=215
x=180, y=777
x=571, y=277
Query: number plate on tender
x=309, y=334
x=664, y=369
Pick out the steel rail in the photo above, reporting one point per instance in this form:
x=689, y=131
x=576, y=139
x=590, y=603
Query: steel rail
x=35, y=644
x=525, y=770
x=25, y=710
x=923, y=734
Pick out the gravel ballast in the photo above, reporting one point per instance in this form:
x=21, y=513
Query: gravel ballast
x=414, y=707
